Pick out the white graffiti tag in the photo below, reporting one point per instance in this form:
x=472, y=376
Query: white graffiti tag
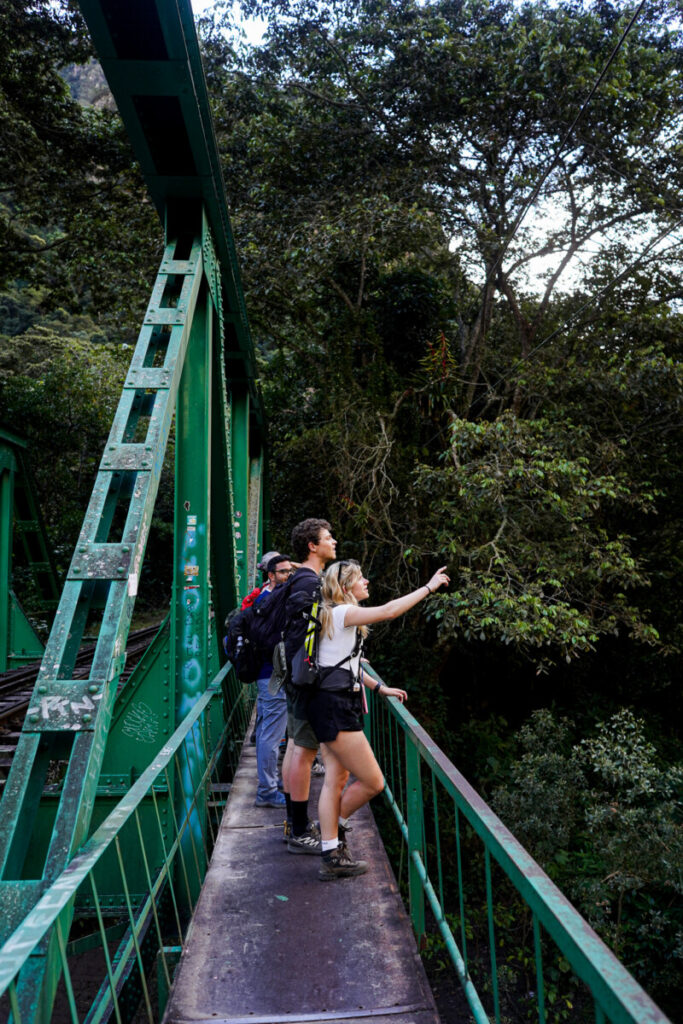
x=141, y=723
x=59, y=707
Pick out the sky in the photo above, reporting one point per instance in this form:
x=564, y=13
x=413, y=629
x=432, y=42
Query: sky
x=254, y=28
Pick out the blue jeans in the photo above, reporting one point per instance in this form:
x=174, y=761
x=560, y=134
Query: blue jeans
x=270, y=728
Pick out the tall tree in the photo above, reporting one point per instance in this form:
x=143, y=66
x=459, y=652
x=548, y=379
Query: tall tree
x=378, y=156
x=471, y=107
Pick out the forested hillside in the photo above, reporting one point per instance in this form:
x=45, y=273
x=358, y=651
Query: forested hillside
x=460, y=232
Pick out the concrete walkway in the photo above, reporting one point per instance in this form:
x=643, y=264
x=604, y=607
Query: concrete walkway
x=269, y=943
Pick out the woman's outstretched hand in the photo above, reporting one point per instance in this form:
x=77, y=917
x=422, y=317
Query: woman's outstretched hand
x=439, y=579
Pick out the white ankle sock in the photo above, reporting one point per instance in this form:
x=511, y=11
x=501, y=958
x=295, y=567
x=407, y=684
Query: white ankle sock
x=329, y=844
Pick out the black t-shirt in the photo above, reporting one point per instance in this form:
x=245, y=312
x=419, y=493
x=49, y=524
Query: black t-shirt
x=301, y=592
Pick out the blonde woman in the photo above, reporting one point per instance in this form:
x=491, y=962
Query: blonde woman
x=335, y=709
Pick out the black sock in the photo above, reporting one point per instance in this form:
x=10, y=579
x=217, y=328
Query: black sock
x=299, y=816
x=288, y=801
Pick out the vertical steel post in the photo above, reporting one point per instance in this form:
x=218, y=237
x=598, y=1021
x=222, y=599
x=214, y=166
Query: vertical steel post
x=191, y=603
x=415, y=818
x=265, y=504
x=369, y=718
x=240, y=479
x=255, y=531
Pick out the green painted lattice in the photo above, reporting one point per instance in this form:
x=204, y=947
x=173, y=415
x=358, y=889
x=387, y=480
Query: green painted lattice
x=149, y=852
x=81, y=732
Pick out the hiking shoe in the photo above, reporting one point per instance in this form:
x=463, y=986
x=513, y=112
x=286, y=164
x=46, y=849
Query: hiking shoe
x=317, y=768
x=342, y=832
x=338, y=864
x=307, y=843
x=276, y=800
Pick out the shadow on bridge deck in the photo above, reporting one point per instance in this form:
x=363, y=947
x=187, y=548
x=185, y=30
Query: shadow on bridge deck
x=271, y=943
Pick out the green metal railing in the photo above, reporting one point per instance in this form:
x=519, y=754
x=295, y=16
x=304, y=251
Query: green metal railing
x=456, y=853
x=134, y=944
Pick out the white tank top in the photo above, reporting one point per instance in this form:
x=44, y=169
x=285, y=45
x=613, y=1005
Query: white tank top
x=332, y=649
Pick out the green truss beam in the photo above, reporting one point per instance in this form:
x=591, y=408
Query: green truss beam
x=22, y=532
x=193, y=360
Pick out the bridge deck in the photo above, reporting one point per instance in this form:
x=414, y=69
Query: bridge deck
x=271, y=943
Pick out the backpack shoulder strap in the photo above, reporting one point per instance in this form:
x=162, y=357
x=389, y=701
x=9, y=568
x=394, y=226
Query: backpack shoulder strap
x=357, y=649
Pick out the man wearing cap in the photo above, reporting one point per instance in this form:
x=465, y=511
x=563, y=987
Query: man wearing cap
x=262, y=566
x=271, y=718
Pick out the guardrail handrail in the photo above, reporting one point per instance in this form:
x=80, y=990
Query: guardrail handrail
x=615, y=991
x=17, y=949
x=35, y=928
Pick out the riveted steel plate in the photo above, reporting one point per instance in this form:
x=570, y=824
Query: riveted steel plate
x=59, y=704
x=148, y=377
x=101, y=562
x=178, y=267
x=166, y=316
x=127, y=456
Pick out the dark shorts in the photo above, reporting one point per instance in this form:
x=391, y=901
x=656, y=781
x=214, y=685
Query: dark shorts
x=331, y=713
x=298, y=726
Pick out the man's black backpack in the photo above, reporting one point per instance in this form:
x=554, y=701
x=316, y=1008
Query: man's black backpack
x=270, y=620
x=238, y=645
x=252, y=633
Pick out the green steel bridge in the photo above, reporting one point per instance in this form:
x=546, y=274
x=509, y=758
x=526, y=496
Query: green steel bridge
x=113, y=802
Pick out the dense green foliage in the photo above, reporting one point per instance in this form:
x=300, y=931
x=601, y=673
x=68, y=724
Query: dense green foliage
x=603, y=815
x=69, y=193
x=79, y=245
x=445, y=383
x=447, y=398
x=377, y=156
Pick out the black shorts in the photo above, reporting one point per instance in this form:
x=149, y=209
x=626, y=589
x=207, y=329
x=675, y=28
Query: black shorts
x=330, y=713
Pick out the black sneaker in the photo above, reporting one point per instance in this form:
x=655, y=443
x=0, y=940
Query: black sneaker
x=338, y=864
x=313, y=829
x=306, y=843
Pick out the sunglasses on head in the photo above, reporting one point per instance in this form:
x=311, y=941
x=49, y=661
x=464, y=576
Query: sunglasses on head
x=344, y=562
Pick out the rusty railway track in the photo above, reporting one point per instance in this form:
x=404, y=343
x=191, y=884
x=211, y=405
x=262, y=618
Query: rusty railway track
x=16, y=690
